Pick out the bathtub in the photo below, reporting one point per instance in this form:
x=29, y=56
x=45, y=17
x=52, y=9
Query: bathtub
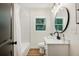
x=23, y=49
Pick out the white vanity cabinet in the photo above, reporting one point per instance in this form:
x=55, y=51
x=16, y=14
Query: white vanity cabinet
x=56, y=47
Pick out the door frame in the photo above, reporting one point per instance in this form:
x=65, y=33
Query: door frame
x=12, y=27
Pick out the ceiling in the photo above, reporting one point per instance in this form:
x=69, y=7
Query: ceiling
x=36, y=5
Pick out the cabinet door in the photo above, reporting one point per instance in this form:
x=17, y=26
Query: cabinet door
x=58, y=50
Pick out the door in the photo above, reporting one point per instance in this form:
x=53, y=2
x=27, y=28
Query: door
x=6, y=30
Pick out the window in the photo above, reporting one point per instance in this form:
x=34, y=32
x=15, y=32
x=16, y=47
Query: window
x=59, y=24
x=40, y=24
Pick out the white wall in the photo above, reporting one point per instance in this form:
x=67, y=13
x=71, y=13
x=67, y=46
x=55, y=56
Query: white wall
x=37, y=36
x=27, y=18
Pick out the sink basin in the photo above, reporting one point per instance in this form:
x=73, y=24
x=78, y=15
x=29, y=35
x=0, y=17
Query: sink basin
x=55, y=41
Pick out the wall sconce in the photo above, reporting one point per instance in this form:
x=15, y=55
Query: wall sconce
x=56, y=7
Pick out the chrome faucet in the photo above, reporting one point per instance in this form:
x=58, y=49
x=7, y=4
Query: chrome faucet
x=58, y=37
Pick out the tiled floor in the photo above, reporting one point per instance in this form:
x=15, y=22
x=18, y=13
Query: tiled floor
x=34, y=52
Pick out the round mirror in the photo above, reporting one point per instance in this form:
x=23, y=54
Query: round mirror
x=62, y=19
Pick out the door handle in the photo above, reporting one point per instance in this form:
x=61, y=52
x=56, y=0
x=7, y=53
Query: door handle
x=12, y=43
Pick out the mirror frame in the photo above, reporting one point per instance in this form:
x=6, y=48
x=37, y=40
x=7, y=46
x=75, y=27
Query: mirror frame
x=68, y=19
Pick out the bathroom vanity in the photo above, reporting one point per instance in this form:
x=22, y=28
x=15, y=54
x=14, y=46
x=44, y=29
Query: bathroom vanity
x=55, y=47
x=58, y=46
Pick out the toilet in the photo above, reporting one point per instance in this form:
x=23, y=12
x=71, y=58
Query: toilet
x=41, y=47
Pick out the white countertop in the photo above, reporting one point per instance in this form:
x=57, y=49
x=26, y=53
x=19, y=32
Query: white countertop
x=55, y=41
